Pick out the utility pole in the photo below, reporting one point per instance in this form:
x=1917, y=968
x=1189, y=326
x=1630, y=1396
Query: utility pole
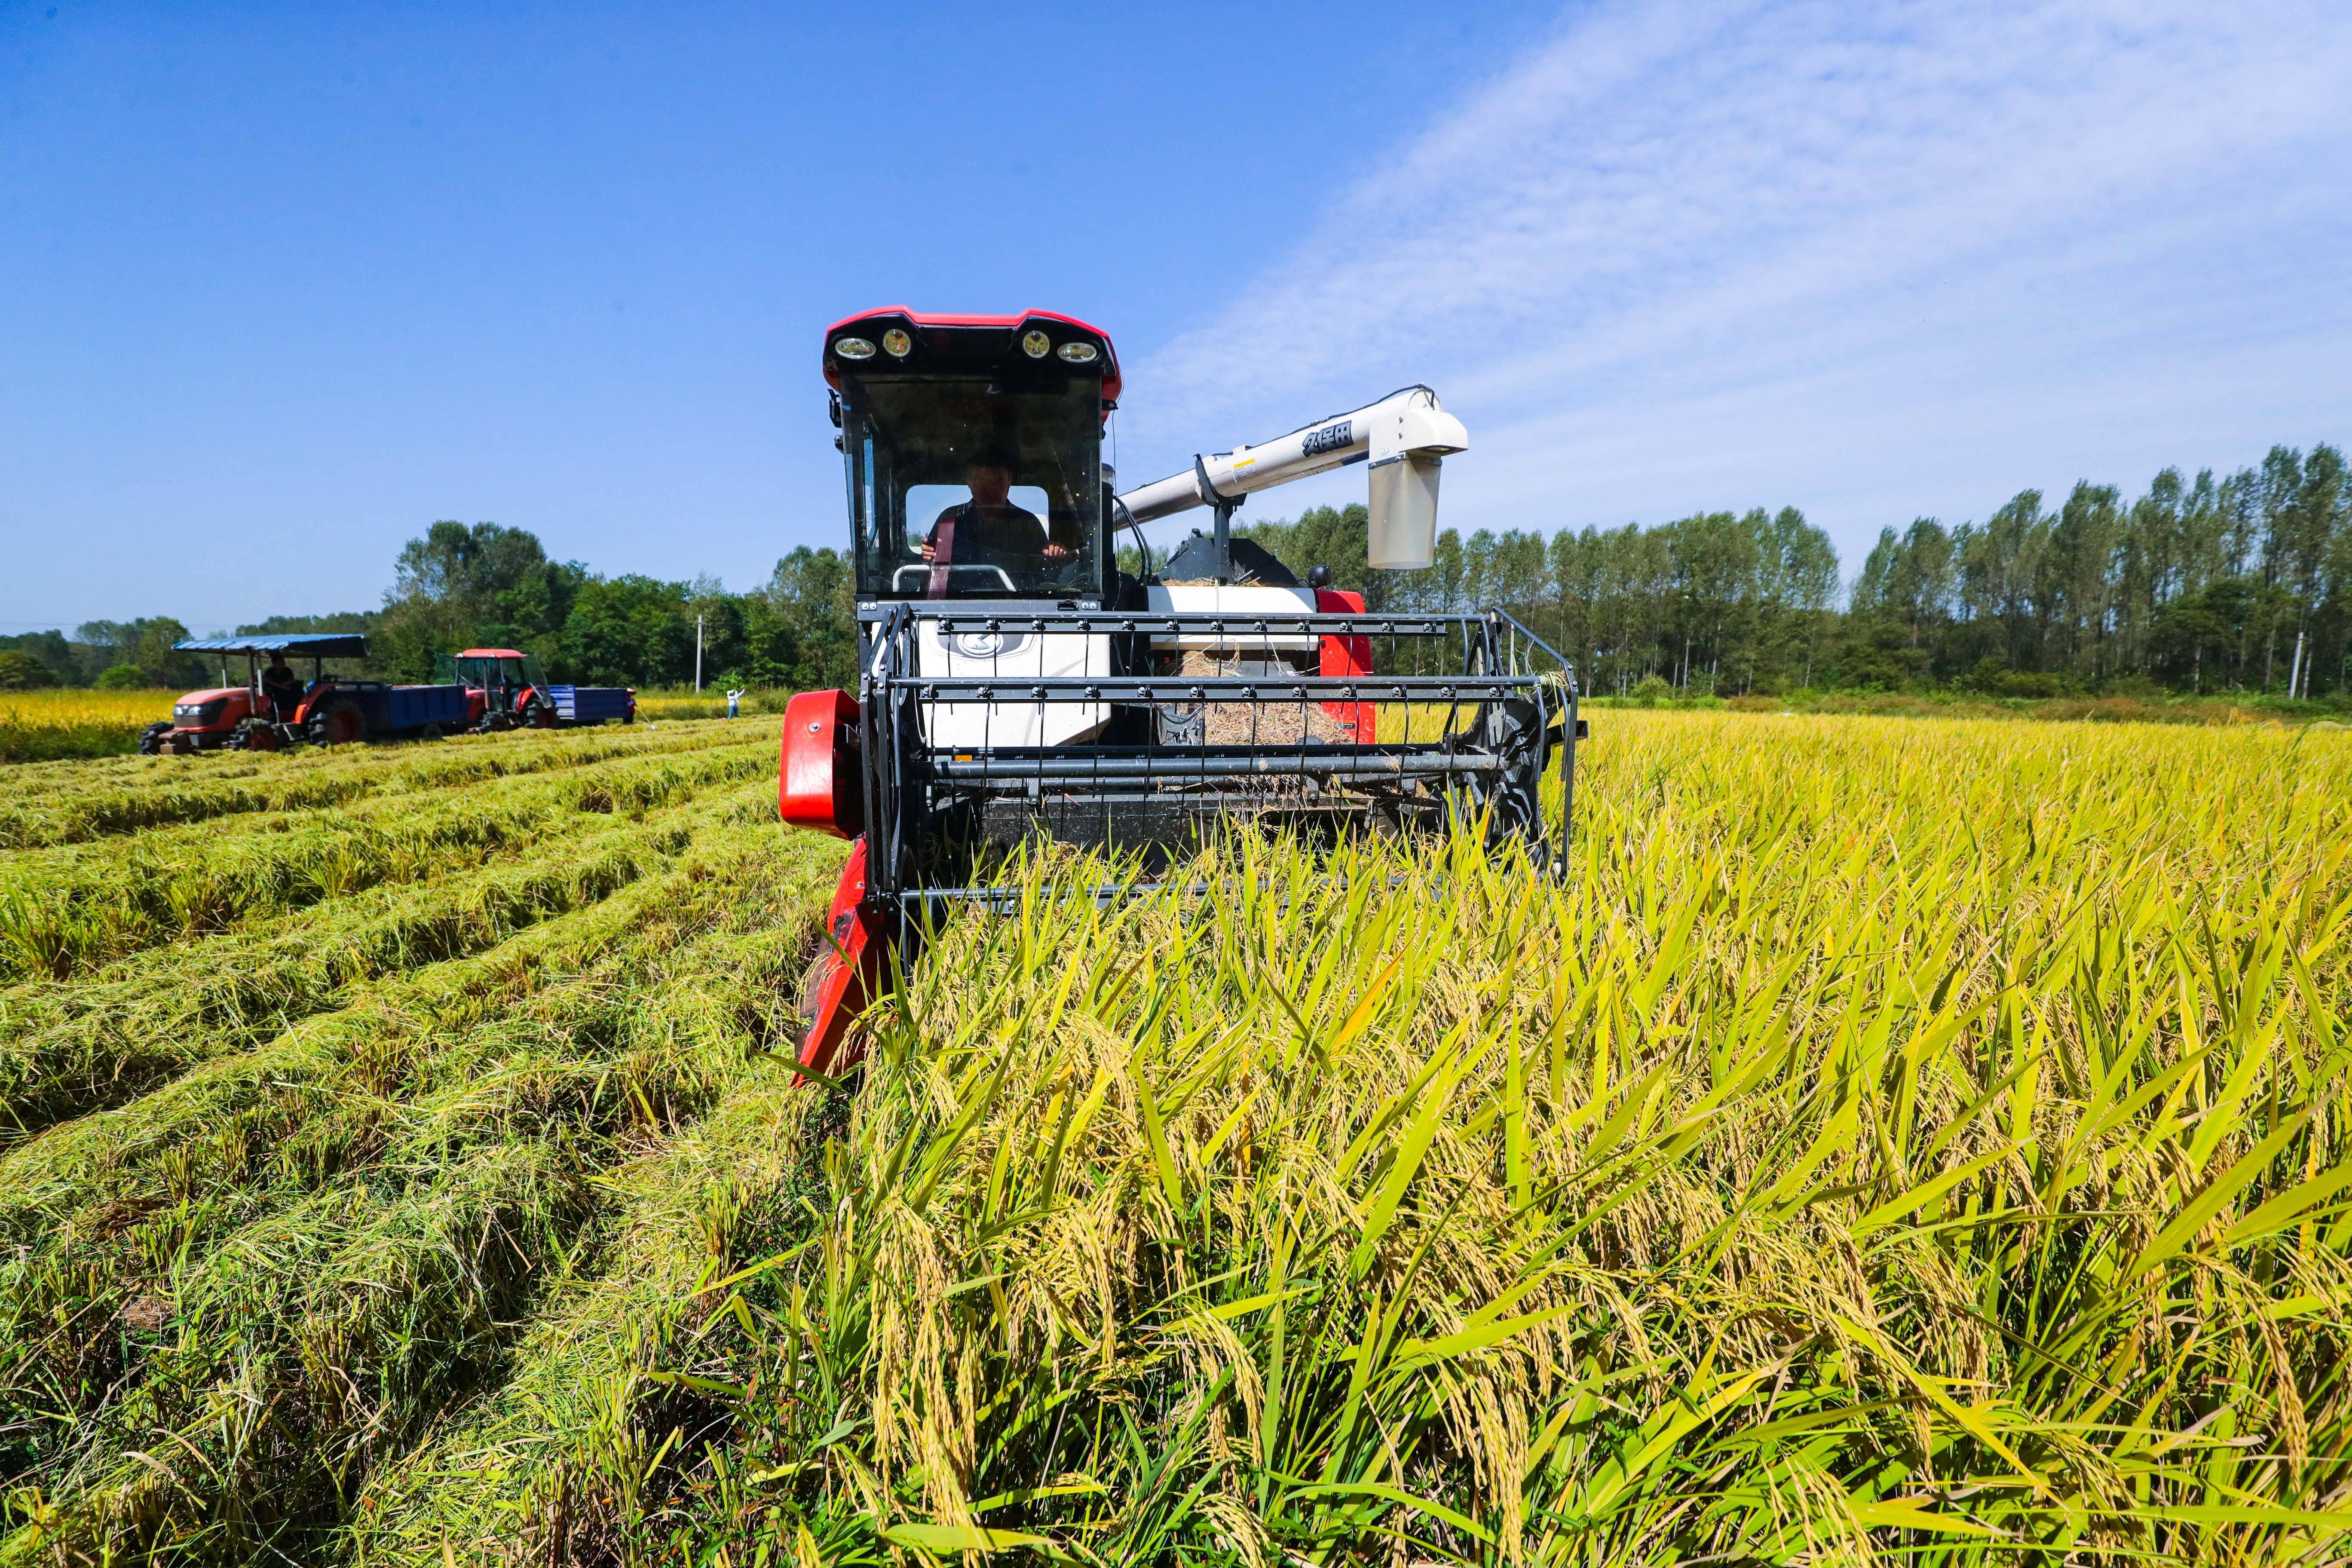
x=697, y=655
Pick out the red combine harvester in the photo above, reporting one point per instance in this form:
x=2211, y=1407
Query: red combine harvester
x=1014, y=681
x=506, y=691
x=328, y=710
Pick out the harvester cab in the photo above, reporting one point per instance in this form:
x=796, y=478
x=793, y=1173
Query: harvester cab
x=1014, y=682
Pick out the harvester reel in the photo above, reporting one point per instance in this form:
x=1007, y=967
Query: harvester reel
x=1512, y=728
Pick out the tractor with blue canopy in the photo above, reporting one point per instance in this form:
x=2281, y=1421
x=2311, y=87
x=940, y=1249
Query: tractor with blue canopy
x=276, y=708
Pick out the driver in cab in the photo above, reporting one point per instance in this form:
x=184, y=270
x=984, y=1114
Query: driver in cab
x=281, y=689
x=988, y=526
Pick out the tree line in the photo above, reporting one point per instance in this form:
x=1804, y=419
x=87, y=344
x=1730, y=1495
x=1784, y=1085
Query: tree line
x=2239, y=582
x=2234, y=583
x=460, y=585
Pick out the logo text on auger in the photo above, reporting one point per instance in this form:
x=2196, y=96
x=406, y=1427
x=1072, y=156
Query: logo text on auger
x=1332, y=437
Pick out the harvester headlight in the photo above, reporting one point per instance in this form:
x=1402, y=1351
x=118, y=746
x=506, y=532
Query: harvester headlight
x=897, y=343
x=1035, y=343
x=1080, y=353
x=853, y=348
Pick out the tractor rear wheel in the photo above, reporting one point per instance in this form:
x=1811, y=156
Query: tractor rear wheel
x=339, y=725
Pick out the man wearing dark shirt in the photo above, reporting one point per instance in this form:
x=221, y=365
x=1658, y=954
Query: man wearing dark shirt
x=988, y=528
x=281, y=688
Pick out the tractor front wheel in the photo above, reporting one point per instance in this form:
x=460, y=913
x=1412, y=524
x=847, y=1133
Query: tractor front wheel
x=261, y=737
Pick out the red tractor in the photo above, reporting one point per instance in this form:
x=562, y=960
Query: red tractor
x=268, y=714
x=506, y=690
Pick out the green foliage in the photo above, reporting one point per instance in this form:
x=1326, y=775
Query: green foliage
x=122, y=677
x=458, y=586
x=626, y=631
x=2198, y=586
x=488, y=585
x=2201, y=585
x=360, y=621
x=145, y=644
x=21, y=672
x=51, y=651
x=807, y=616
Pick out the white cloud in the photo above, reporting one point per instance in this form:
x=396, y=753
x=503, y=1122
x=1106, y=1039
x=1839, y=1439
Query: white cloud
x=1872, y=258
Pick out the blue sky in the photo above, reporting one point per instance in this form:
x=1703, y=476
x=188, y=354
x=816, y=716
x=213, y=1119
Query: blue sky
x=281, y=285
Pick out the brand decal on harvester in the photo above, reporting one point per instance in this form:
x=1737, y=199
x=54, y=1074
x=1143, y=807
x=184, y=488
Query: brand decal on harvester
x=1332, y=437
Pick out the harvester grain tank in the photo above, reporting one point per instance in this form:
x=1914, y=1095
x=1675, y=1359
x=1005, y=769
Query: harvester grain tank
x=1015, y=682
x=328, y=710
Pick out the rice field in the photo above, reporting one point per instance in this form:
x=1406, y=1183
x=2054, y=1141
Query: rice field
x=64, y=723
x=1890, y=1141
x=59, y=723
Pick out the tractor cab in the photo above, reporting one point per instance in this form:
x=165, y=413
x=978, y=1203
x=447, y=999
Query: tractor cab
x=974, y=449
x=505, y=688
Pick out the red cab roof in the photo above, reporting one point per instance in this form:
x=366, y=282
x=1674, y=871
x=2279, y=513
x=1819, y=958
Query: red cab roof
x=491, y=653
x=1011, y=325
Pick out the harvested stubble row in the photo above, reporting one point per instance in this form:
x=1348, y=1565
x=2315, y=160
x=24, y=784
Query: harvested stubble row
x=69, y=911
x=1889, y=1141
x=349, y=1223
x=68, y=803
x=69, y=1047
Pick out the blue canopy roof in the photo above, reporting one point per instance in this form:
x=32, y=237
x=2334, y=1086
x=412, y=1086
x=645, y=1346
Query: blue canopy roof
x=311, y=644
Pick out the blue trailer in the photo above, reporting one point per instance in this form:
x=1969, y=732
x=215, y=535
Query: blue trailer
x=592, y=704
x=409, y=710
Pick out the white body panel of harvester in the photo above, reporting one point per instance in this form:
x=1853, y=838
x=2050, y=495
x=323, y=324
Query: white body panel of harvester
x=1241, y=601
x=1012, y=656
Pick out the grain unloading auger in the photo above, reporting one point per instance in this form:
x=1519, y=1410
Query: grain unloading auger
x=1014, y=681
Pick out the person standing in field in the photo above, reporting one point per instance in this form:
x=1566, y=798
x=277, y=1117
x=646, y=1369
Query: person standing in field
x=734, y=703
